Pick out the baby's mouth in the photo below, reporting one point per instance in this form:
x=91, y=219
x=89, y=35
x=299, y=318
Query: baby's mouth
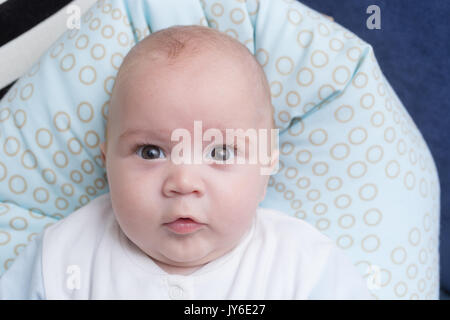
x=183, y=226
x=186, y=219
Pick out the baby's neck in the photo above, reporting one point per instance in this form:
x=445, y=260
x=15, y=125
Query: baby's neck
x=170, y=269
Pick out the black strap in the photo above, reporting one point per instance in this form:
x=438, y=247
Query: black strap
x=19, y=16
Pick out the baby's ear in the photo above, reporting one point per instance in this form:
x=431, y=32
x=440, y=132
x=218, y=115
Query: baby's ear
x=274, y=162
x=271, y=169
x=103, y=154
x=272, y=166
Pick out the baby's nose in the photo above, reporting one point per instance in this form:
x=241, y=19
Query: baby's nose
x=183, y=179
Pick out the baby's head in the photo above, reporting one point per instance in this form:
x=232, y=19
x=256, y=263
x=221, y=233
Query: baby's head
x=169, y=80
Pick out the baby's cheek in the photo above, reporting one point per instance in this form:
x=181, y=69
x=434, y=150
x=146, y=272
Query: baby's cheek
x=242, y=200
x=255, y=182
x=121, y=185
x=136, y=225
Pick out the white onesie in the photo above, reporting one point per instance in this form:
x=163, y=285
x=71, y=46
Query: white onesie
x=87, y=256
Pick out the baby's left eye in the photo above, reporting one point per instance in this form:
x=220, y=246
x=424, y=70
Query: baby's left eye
x=222, y=153
x=149, y=151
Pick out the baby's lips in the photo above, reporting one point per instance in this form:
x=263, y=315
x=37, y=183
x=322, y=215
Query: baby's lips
x=183, y=225
x=186, y=219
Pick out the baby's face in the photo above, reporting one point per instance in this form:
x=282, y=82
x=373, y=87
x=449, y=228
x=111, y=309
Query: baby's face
x=149, y=192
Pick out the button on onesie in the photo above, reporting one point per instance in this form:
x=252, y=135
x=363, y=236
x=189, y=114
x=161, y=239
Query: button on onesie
x=179, y=287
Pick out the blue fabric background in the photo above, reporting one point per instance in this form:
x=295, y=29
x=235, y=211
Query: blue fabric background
x=412, y=48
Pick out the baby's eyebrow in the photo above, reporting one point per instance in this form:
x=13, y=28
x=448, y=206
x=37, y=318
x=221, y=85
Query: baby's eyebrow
x=137, y=132
x=160, y=132
x=166, y=135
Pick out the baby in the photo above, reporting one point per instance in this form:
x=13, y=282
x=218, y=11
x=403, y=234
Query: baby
x=171, y=229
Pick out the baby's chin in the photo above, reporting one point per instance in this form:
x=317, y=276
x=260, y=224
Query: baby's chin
x=180, y=266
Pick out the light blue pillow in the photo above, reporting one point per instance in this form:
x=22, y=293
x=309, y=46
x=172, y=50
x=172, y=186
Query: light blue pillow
x=352, y=161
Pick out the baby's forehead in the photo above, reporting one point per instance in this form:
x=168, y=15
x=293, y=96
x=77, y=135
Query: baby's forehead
x=158, y=56
x=205, y=69
x=175, y=110
x=182, y=46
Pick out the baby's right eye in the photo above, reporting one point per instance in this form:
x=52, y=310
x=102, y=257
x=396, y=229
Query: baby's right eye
x=149, y=151
x=223, y=153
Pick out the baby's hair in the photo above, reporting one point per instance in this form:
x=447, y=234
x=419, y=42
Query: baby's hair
x=176, y=42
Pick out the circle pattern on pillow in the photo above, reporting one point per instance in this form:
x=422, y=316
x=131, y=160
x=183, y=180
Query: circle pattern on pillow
x=352, y=162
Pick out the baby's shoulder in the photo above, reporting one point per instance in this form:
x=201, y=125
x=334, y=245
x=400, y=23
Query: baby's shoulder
x=280, y=221
x=292, y=247
x=84, y=222
x=290, y=231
